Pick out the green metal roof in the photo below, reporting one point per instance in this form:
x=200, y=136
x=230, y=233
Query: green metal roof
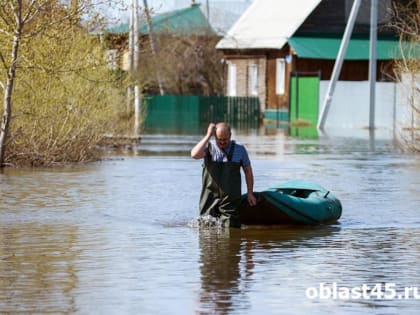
x=188, y=21
x=358, y=49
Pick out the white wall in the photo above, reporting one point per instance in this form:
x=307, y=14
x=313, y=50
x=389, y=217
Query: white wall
x=408, y=98
x=350, y=105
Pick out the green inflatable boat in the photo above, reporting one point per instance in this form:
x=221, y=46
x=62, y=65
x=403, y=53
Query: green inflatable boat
x=295, y=202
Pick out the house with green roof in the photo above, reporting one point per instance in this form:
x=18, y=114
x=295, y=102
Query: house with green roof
x=183, y=22
x=180, y=56
x=276, y=45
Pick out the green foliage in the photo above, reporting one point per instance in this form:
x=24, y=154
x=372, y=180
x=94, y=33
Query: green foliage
x=65, y=98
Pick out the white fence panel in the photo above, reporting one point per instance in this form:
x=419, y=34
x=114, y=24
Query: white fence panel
x=350, y=105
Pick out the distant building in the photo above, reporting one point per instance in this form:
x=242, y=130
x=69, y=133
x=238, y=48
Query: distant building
x=179, y=58
x=187, y=21
x=273, y=41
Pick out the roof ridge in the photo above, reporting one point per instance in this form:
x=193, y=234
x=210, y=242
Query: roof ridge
x=175, y=19
x=175, y=13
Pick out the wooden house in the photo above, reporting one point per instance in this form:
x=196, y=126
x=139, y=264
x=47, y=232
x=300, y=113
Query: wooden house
x=274, y=41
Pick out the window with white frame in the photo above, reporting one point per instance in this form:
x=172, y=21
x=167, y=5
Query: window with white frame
x=231, y=80
x=253, y=80
x=280, y=76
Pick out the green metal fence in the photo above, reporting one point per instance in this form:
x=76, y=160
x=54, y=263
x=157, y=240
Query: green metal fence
x=176, y=113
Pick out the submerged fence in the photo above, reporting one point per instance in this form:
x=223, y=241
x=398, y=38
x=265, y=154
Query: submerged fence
x=190, y=113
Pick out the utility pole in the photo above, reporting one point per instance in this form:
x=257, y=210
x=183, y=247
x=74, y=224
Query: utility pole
x=135, y=69
x=208, y=10
x=338, y=64
x=372, y=61
x=130, y=57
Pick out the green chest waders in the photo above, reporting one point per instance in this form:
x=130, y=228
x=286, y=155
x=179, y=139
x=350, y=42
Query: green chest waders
x=221, y=190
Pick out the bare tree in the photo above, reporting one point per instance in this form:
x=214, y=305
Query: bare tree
x=188, y=65
x=15, y=17
x=406, y=20
x=153, y=45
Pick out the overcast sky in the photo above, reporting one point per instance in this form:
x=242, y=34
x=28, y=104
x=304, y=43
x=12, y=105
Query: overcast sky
x=117, y=10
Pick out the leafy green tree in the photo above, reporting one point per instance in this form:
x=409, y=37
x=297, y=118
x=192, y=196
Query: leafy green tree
x=63, y=96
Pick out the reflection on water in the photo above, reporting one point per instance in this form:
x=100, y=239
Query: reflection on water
x=241, y=268
x=228, y=259
x=115, y=237
x=220, y=270
x=38, y=268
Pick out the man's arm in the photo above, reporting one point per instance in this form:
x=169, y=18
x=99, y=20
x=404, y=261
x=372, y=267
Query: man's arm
x=249, y=178
x=198, y=151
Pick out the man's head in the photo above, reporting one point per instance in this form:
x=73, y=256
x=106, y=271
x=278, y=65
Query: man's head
x=223, y=135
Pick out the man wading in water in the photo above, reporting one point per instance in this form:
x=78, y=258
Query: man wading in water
x=221, y=190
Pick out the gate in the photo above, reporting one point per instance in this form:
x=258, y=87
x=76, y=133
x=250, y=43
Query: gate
x=304, y=99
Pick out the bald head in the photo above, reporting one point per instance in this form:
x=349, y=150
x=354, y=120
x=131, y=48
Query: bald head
x=223, y=127
x=223, y=135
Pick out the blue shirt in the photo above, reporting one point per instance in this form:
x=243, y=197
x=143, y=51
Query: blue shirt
x=240, y=155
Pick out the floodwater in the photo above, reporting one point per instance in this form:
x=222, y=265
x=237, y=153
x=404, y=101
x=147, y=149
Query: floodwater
x=118, y=237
